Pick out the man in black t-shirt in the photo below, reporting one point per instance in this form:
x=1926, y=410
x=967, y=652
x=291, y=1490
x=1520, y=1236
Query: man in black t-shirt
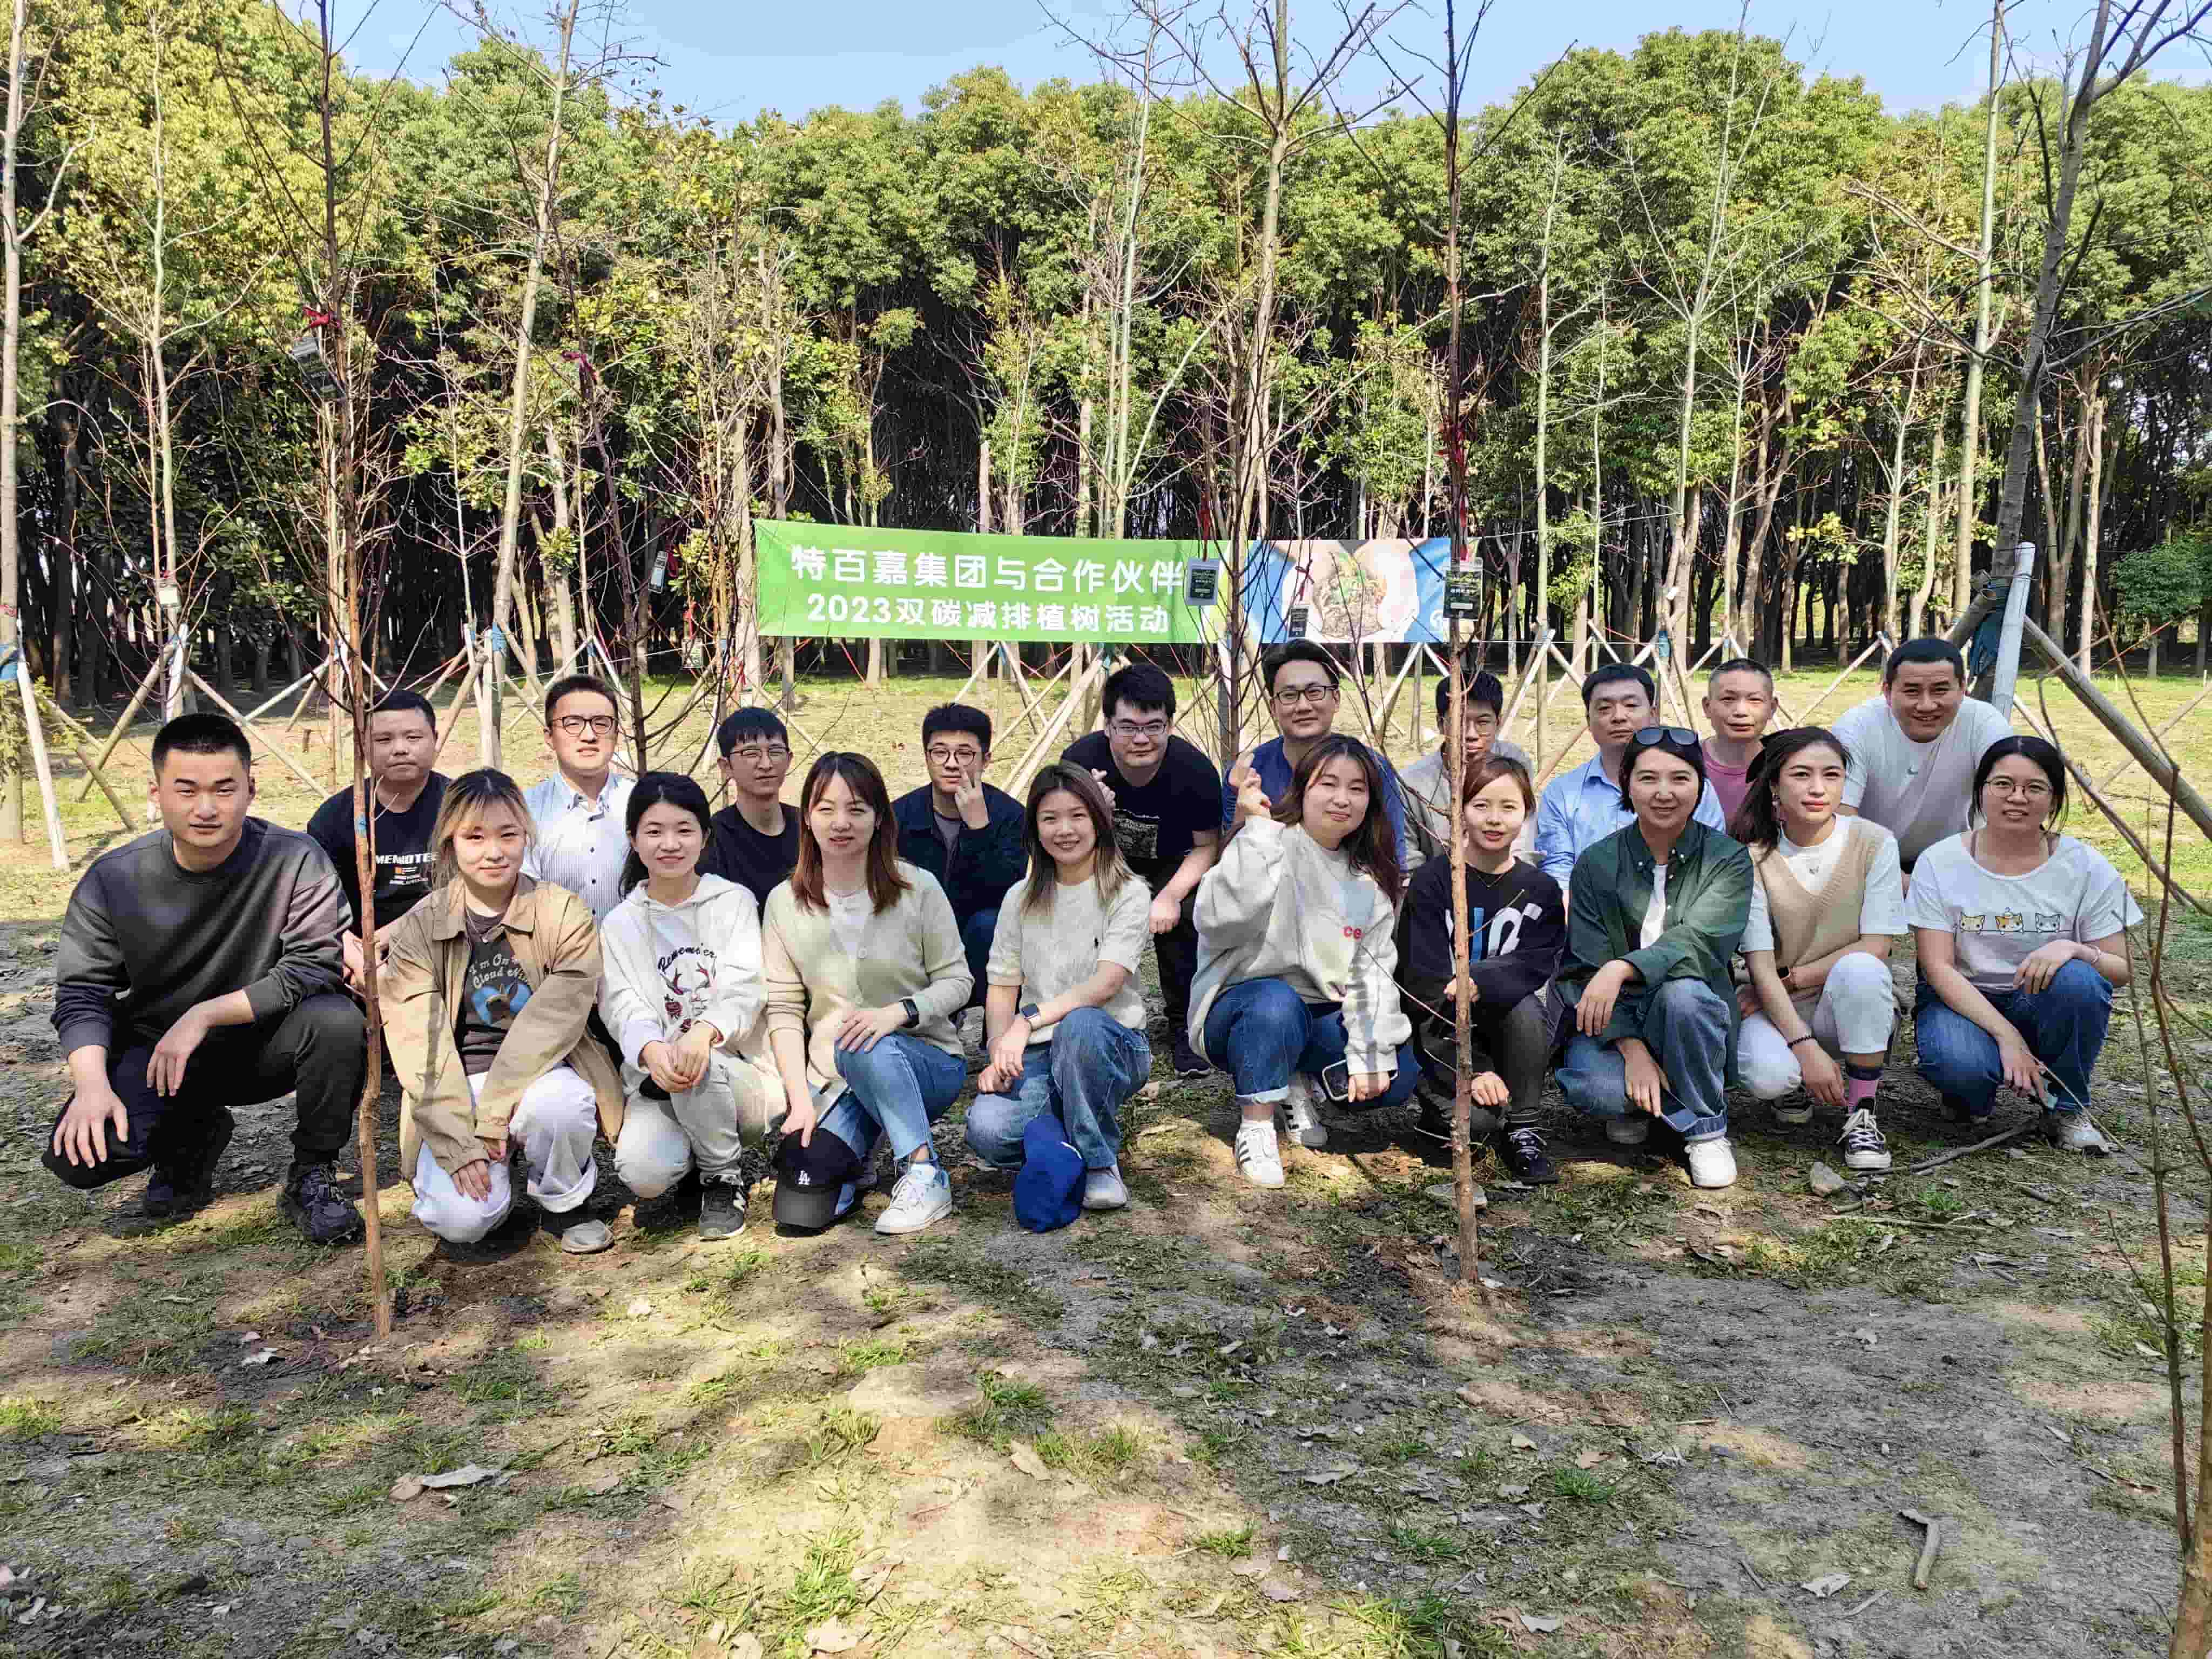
x=1167, y=820
x=405, y=796
x=755, y=841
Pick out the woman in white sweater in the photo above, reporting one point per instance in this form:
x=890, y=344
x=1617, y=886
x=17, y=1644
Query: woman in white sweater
x=1296, y=994
x=680, y=989
x=865, y=975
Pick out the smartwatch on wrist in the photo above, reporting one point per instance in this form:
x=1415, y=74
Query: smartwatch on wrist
x=913, y=1013
x=1028, y=1011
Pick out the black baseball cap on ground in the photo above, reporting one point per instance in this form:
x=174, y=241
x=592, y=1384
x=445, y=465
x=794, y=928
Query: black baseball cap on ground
x=809, y=1178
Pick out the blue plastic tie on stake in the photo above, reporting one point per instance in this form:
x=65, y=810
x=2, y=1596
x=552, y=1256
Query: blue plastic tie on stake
x=493, y=640
x=9, y=659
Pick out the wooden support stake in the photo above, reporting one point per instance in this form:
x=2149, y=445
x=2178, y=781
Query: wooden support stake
x=78, y=738
x=1850, y=668
x=313, y=680
x=460, y=703
x=2145, y=754
x=217, y=699
x=2158, y=871
x=2159, y=736
x=131, y=711
x=268, y=703
x=1033, y=757
x=36, y=730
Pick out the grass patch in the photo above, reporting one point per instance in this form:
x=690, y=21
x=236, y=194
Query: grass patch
x=1581, y=1487
x=871, y=1353
x=838, y=1433
x=1428, y=1548
x=502, y=1379
x=22, y=1418
x=1099, y=1455
x=1008, y=1409
x=1231, y=1545
x=1398, y=1448
x=562, y=1594
x=19, y=1253
x=1429, y=1627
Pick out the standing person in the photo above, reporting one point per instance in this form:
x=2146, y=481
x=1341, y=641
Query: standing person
x=2022, y=936
x=1659, y=911
x=1516, y=934
x=1427, y=782
x=966, y=833
x=755, y=841
x=1166, y=797
x=1064, y=1015
x=1915, y=747
x=1303, y=695
x=577, y=813
x=486, y=997
x=199, y=969
x=1581, y=808
x=1828, y=899
x=1739, y=702
x=1296, y=993
x=403, y=794
x=680, y=987
x=865, y=975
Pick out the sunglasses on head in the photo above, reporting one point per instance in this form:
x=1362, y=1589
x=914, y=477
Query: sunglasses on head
x=1667, y=734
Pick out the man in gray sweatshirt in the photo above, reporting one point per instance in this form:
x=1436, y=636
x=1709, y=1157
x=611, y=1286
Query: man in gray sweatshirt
x=199, y=968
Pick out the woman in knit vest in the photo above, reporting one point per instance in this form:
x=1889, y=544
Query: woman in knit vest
x=1296, y=994
x=865, y=974
x=1826, y=899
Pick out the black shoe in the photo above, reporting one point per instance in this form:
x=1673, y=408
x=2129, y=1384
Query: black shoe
x=1189, y=1062
x=188, y=1184
x=322, y=1213
x=1521, y=1152
x=722, y=1207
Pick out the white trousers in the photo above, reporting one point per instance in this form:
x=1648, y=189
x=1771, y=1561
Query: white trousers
x=1854, y=1014
x=555, y=1123
x=707, y=1126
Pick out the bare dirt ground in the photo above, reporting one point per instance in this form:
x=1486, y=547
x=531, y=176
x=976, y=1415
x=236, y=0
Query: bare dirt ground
x=1222, y=1422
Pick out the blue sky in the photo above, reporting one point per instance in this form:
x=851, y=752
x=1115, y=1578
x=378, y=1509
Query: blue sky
x=731, y=58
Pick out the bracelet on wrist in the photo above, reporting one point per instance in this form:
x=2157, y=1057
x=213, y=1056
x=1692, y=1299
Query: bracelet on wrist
x=1808, y=1038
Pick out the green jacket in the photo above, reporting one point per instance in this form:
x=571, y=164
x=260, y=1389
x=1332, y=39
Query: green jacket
x=1708, y=900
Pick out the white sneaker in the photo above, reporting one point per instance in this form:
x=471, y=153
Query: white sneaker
x=2073, y=1132
x=1863, y=1147
x=1103, y=1189
x=924, y=1194
x=1258, y=1156
x=1712, y=1162
x=1630, y=1131
x=1303, y=1113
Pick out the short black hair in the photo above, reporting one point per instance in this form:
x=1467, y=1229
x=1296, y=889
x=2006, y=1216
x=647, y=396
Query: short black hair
x=742, y=723
x=2046, y=756
x=404, y=703
x=1483, y=690
x=957, y=717
x=202, y=733
x=570, y=685
x=1743, y=665
x=1925, y=651
x=1143, y=686
x=1619, y=671
x=1692, y=755
x=1282, y=656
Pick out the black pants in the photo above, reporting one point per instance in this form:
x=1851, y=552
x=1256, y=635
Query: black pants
x=1176, y=952
x=1516, y=1042
x=317, y=1050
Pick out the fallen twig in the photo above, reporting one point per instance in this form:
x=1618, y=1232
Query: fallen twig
x=2012, y=1133
x=1922, y=1226
x=1934, y=1541
x=1753, y=1571
x=1869, y=1602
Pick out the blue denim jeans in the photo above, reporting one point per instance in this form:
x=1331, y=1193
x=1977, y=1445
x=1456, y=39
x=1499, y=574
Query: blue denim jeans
x=1686, y=1025
x=899, y=1088
x=1082, y=1075
x=1259, y=1030
x=2062, y=1024
x=977, y=932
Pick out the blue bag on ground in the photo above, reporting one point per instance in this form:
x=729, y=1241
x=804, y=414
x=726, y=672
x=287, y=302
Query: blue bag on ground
x=1049, y=1189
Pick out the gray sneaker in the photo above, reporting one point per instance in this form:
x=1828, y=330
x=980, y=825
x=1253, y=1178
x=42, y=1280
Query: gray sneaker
x=1301, y=1113
x=578, y=1233
x=2073, y=1132
x=1103, y=1189
x=924, y=1194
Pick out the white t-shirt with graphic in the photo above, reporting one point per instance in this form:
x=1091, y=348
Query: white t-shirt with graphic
x=2000, y=921
x=1882, y=903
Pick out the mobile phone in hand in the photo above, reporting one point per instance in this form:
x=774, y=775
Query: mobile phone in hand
x=1336, y=1082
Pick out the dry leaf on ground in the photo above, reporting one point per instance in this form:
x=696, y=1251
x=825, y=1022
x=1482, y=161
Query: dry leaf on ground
x=835, y=1637
x=1025, y=1459
x=1827, y=1584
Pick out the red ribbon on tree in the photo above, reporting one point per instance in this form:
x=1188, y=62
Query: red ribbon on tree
x=319, y=319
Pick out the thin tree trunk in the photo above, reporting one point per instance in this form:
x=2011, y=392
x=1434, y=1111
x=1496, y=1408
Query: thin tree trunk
x=2092, y=439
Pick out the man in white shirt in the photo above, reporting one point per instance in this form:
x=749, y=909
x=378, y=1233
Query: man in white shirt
x=1914, y=749
x=577, y=812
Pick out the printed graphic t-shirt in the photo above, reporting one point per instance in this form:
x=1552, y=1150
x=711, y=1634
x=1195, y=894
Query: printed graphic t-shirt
x=402, y=848
x=493, y=992
x=1154, y=822
x=2000, y=921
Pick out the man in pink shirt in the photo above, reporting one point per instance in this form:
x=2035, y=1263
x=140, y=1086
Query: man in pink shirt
x=1739, y=702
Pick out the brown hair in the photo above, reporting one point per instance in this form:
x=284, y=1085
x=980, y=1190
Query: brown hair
x=861, y=777
x=1373, y=846
x=1108, y=869
x=1494, y=766
x=466, y=797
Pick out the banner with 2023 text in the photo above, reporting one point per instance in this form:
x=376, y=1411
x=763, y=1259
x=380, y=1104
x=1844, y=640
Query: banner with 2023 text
x=826, y=578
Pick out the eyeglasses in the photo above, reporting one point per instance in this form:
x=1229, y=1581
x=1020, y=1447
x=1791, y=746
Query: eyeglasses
x=943, y=757
x=1667, y=734
x=1152, y=729
x=575, y=725
x=2034, y=789
x=1294, y=694
x=774, y=755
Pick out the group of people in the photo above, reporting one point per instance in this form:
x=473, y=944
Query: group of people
x=781, y=989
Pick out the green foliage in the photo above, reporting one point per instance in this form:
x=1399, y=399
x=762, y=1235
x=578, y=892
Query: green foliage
x=2161, y=584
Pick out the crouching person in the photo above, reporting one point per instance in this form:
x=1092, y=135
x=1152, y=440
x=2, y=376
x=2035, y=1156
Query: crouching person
x=1065, y=1016
x=488, y=985
x=681, y=990
x=1296, y=994
x=1653, y=913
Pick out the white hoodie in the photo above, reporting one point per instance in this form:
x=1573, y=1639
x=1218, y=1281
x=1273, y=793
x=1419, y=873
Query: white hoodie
x=664, y=966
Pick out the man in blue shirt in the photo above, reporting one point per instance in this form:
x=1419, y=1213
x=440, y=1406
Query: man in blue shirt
x=1581, y=808
x=1302, y=695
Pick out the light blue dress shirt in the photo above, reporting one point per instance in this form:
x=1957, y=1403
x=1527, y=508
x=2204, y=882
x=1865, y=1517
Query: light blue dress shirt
x=580, y=843
x=1581, y=808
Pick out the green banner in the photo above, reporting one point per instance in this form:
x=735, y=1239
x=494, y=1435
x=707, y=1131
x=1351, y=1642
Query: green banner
x=832, y=580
